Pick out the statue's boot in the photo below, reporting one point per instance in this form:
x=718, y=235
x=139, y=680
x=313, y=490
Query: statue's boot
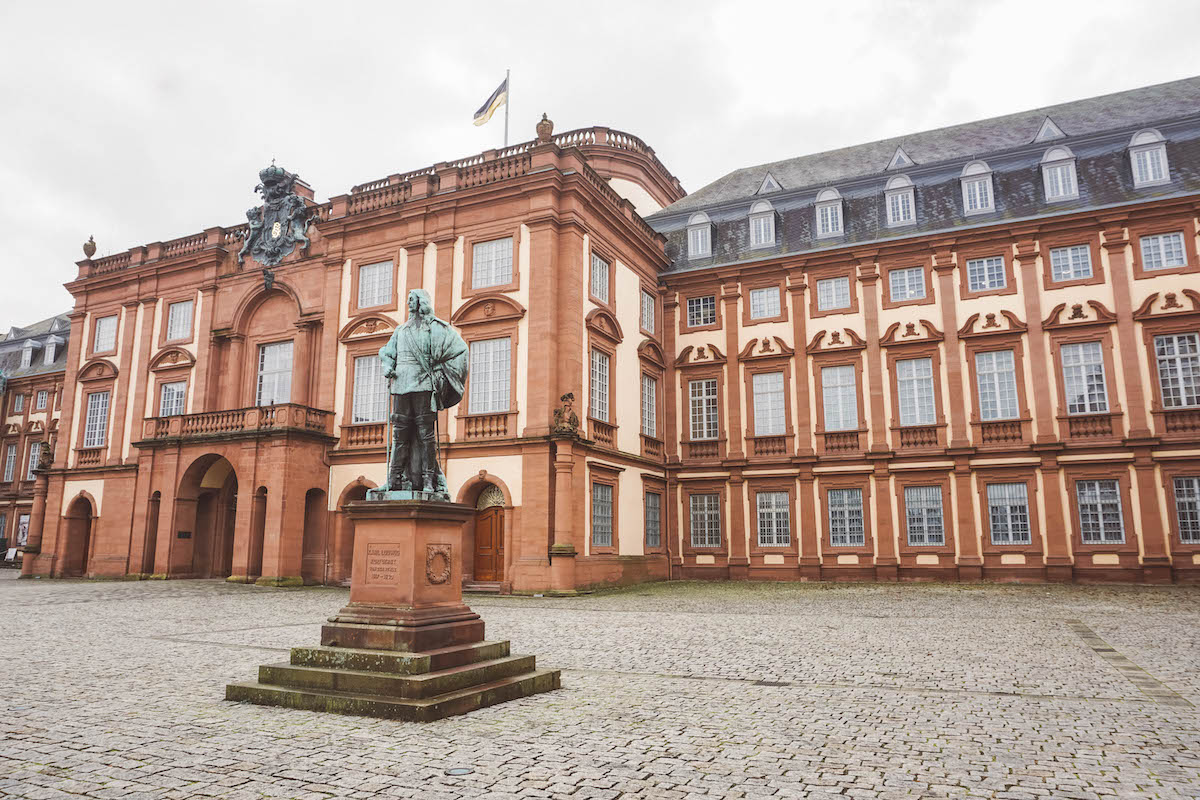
x=430, y=481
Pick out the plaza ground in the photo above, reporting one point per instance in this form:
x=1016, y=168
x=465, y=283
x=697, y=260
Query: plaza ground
x=114, y=690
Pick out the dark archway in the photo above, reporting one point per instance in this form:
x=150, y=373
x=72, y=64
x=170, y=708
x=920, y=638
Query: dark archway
x=205, y=512
x=316, y=527
x=77, y=555
x=342, y=552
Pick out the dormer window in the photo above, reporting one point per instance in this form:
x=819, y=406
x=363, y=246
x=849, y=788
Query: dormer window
x=762, y=224
x=829, y=213
x=51, y=350
x=977, y=188
x=1148, y=157
x=27, y=355
x=1058, y=174
x=699, y=236
x=901, y=207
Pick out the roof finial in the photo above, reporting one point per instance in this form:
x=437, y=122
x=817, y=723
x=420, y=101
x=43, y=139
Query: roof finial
x=545, y=128
x=89, y=247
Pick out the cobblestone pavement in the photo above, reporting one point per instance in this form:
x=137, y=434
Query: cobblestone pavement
x=115, y=690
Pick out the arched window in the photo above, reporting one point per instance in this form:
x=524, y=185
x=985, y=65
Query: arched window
x=699, y=235
x=1058, y=174
x=829, y=213
x=977, y=193
x=762, y=224
x=900, y=200
x=1148, y=158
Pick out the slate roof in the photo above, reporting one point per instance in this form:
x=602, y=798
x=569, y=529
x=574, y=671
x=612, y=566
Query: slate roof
x=11, y=344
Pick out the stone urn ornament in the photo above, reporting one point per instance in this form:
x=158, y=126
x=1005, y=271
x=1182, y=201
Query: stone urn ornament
x=89, y=247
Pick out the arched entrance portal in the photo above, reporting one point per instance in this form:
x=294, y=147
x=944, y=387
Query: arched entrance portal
x=205, y=511
x=489, y=534
x=79, y=537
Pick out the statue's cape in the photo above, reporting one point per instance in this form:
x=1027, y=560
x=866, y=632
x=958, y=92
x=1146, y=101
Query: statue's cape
x=438, y=352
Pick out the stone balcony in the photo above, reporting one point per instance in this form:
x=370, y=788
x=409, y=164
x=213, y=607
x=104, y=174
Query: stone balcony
x=237, y=423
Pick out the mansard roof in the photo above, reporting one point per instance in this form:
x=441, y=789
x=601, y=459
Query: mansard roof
x=12, y=342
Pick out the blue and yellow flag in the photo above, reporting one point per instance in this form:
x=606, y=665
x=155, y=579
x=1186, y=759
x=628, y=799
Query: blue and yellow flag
x=498, y=98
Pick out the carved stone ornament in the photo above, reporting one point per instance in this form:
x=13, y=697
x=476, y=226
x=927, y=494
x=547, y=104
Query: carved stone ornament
x=437, y=563
x=545, y=128
x=991, y=321
x=279, y=224
x=565, y=418
x=89, y=247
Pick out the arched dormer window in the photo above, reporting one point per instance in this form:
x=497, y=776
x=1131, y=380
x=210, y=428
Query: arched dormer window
x=829, y=213
x=977, y=188
x=1148, y=158
x=900, y=200
x=1058, y=174
x=699, y=229
x=762, y=224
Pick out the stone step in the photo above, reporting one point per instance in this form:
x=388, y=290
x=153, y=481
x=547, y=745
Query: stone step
x=398, y=662
x=414, y=710
x=481, y=587
x=387, y=685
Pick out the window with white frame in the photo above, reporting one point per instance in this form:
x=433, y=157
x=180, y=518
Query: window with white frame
x=106, y=335
x=1083, y=378
x=923, y=515
x=375, y=284
x=839, y=396
x=1163, y=251
x=829, y=213
x=833, y=293
x=1008, y=513
x=846, y=518
x=705, y=520
x=490, y=376
x=602, y=515
x=774, y=524
x=27, y=356
x=274, y=374
x=649, y=406
x=996, y=376
x=762, y=225
x=906, y=284
x=1178, y=356
x=179, y=320
x=652, y=517
x=1071, y=263
x=95, y=428
x=51, y=351
x=369, y=403
x=764, y=303
x=914, y=386
x=492, y=263
x=1058, y=174
x=1148, y=158
x=35, y=456
x=977, y=188
x=43, y=397
x=600, y=277
x=699, y=233
x=1100, y=517
x=986, y=273
x=22, y=529
x=768, y=404
x=899, y=200
x=1187, y=508
x=18, y=403
x=649, y=307
x=702, y=396
x=171, y=398
x=10, y=462
x=4, y=526
x=701, y=311
x=598, y=408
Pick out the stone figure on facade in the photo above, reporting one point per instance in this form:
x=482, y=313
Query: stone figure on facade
x=566, y=421
x=280, y=224
x=425, y=363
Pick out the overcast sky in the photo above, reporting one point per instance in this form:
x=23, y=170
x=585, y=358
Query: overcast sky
x=145, y=122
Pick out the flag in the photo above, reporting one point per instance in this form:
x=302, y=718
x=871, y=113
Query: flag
x=498, y=98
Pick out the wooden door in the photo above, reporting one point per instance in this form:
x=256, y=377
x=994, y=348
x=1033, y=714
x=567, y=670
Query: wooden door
x=489, y=544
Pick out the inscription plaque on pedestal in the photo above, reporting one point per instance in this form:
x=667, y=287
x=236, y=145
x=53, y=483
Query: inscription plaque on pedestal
x=383, y=563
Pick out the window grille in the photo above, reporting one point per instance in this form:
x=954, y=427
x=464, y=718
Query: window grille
x=1059, y=181
x=986, y=273
x=829, y=218
x=764, y=302
x=1083, y=378
x=106, y=335
x=914, y=385
x=705, y=520
x=95, y=429
x=1100, y=518
x=490, y=375
x=653, y=519
x=699, y=241
x=768, y=404
x=18, y=403
x=703, y=398
x=900, y=207
x=906, y=284
x=996, y=376
x=701, y=311
x=762, y=229
x=599, y=386
x=774, y=528
x=1187, y=508
x=274, y=374
x=600, y=270
x=1008, y=512
x=491, y=263
x=977, y=195
x=1071, y=263
x=179, y=320
x=375, y=284
x=602, y=515
x=43, y=397
x=846, y=518
x=26, y=356
x=648, y=311
x=1179, y=369
x=171, y=398
x=10, y=462
x=649, y=406
x=35, y=456
x=370, y=391
x=1163, y=251
x=1150, y=166
x=833, y=293
x=923, y=515
x=840, y=397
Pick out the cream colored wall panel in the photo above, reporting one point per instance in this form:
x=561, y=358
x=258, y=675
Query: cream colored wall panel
x=459, y=471
x=136, y=378
x=71, y=490
x=643, y=203
x=342, y=475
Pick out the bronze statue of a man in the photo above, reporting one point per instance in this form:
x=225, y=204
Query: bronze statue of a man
x=425, y=363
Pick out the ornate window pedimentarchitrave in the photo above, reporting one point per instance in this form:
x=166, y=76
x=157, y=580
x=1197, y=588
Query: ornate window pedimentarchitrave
x=35, y=426
x=172, y=358
x=1170, y=307
x=12, y=429
x=98, y=369
x=650, y=352
x=367, y=326
x=765, y=349
x=992, y=326
x=486, y=308
x=492, y=495
x=702, y=356
x=895, y=337
x=602, y=322
x=849, y=342
x=1079, y=316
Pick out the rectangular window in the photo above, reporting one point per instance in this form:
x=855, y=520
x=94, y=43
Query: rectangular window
x=840, y=398
x=768, y=404
x=846, y=518
x=106, y=335
x=1059, y=181
x=923, y=515
x=602, y=515
x=906, y=284
x=764, y=302
x=649, y=406
x=1163, y=251
x=1071, y=263
x=274, y=374
x=648, y=311
x=26, y=357
x=600, y=269
x=1083, y=378
x=900, y=207
x=705, y=520
x=171, y=398
x=833, y=293
x=762, y=230
x=1187, y=508
x=1008, y=512
x=370, y=390
x=1148, y=166
x=914, y=385
x=653, y=518
x=22, y=530
x=95, y=429
x=43, y=397
x=179, y=320
x=1179, y=369
x=1100, y=519
x=18, y=403
x=375, y=284
x=986, y=273
x=4, y=528
x=35, y=455
x=490, y=375
x=701, y=311
x=774, y=528
x=10, y=463
x=599, y=386
x=699, y=242
x=703, y=399
x=977, y=194
x=829, y=219
x=996, y=375
x=491, y=263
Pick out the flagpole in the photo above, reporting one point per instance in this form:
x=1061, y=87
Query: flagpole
x=507, y=103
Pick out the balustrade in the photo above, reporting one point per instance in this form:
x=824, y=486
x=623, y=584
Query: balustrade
x=603, y=433
x=706, y=448
x=1182, y=420
x=239, y=420
x=90, y=457
x=651, y=447
x=1000, y=432
x=1090, y=426
x=373, y=434
x=925, y=436
x=769, y=445
x=487, y=426
x=841, y=442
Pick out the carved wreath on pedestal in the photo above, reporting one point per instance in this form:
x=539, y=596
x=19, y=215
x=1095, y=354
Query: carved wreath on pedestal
x=437, y=563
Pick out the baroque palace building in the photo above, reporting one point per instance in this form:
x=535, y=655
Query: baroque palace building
x=966, y=353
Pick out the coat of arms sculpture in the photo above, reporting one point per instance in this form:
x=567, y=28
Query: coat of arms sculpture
x=280, y=223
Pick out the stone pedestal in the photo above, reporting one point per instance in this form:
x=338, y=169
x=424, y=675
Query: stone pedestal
x=405, y=646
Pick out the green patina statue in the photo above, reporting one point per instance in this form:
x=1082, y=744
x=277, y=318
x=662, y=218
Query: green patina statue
x=425, y=363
